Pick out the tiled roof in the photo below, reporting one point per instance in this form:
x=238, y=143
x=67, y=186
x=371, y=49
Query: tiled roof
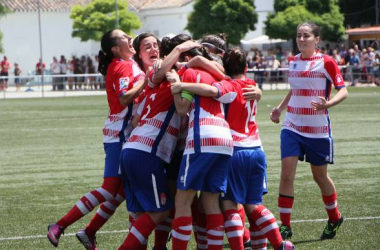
x=46, y=5
x=66, y=5
x=155, y=4
x=366, y=30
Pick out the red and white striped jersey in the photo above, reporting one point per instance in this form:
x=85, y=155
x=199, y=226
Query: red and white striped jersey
x=121, y=76
x=208, y=130
x=158, y=129
x=308, y=79
x=241, y=116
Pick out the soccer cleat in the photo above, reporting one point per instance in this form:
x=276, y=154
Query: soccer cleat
x=54, y=233
x=286, y=245
x=331, y=228
x=286, y=232
x=89, y=242
x=247, y=244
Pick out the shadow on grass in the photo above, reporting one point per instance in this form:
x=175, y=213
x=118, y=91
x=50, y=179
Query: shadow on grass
x=299, y=242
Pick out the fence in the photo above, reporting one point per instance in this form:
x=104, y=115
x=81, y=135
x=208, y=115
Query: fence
x=51, y=85
x=61, y=85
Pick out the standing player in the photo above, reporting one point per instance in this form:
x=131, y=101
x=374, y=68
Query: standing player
x=124, y=82
x=205, y=161
x=306, y=130
x=247, y=173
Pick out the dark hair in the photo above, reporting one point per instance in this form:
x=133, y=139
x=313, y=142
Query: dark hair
x=234, y=61
x=168, y=44
x=136, y=45
x=315, y=29
x=105, y=54
x=217, y=42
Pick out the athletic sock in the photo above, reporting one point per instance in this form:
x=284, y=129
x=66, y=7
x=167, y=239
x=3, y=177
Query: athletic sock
x=233, y=226
x=181, y=232
x=105, y=211
x=215, y=231
x=258, y=239
x=161, y=233
x=331, y=206
x=142, y=228
x=246, y=234
x=265, y=220
x=201, y=231
x=285, y=205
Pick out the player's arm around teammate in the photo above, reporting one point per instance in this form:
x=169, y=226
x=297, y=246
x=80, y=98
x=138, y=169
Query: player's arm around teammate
x=306, y=130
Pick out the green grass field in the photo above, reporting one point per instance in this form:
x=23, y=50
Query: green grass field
x=51, y=154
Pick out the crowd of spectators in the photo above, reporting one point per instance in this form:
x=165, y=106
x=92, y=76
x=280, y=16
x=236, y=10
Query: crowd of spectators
x=358, y=64
x=70, y=68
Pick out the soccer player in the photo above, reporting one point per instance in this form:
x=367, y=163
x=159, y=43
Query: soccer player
x=124, y=82
x=306, y=129
x=205, y=161
x=247, y=173
x=150, y=144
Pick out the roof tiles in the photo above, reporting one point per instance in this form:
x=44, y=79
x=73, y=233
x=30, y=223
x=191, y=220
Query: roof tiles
x=365, y=30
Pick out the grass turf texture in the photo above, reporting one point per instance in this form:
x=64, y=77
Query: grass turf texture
x=51, y=154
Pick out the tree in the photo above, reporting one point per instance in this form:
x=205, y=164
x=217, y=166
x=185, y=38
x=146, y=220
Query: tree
x=97, y=17
x=359, y=13
x=232, y=17
x=3, y=11
x=290, y=13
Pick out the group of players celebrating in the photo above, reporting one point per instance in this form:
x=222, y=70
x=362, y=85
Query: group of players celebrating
x=183, y=148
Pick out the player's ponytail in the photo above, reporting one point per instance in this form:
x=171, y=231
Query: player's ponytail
x=105, y=54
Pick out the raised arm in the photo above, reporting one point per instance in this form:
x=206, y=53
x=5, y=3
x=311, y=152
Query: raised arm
x=212, y=67
x=171, y=59
x=131, y=94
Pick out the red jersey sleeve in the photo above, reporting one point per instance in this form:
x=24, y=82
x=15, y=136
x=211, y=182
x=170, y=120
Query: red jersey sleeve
x=227, y=91
x=123, y=78
x=333, y=72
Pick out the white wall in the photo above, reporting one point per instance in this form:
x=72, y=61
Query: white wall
x=263, y=8
x=163, y=21
x=21, y=39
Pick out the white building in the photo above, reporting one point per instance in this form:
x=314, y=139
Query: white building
x=21, y=28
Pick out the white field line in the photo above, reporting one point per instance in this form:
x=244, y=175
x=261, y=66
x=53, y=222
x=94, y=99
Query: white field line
x=126, y=231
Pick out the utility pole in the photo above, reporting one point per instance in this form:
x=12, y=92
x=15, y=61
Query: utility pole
x=377, y=12
x=117, y=14
x=39, y=29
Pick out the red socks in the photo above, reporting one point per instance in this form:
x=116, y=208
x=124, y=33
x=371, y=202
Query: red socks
x=139, y=233
x=202, y=231
x=215, y=231
x=331, y=206
x=181, y=232
x=246, y=234
x=265, y=220
x=234, y=229
x=258, y=239
x=161, y=233
x=285, y=205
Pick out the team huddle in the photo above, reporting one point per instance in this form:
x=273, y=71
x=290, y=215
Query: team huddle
x=183, y=148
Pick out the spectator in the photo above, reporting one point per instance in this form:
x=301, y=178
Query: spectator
x=55, y=70
x=90, y=70
x=17, y=72
x=376, y=69
x=353, y=67
x=336, y=57
x=369, y=64
x=260, y=67
x=343, y=52
x=63, y=69
x=70, y=72
x=250, y=62
x=40, y=67
x=5, y=65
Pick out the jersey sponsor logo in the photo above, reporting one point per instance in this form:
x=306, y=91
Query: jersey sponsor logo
x=124, y=82
x=294, y=65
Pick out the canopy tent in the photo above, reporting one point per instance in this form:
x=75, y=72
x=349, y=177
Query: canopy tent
x=264, y=39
